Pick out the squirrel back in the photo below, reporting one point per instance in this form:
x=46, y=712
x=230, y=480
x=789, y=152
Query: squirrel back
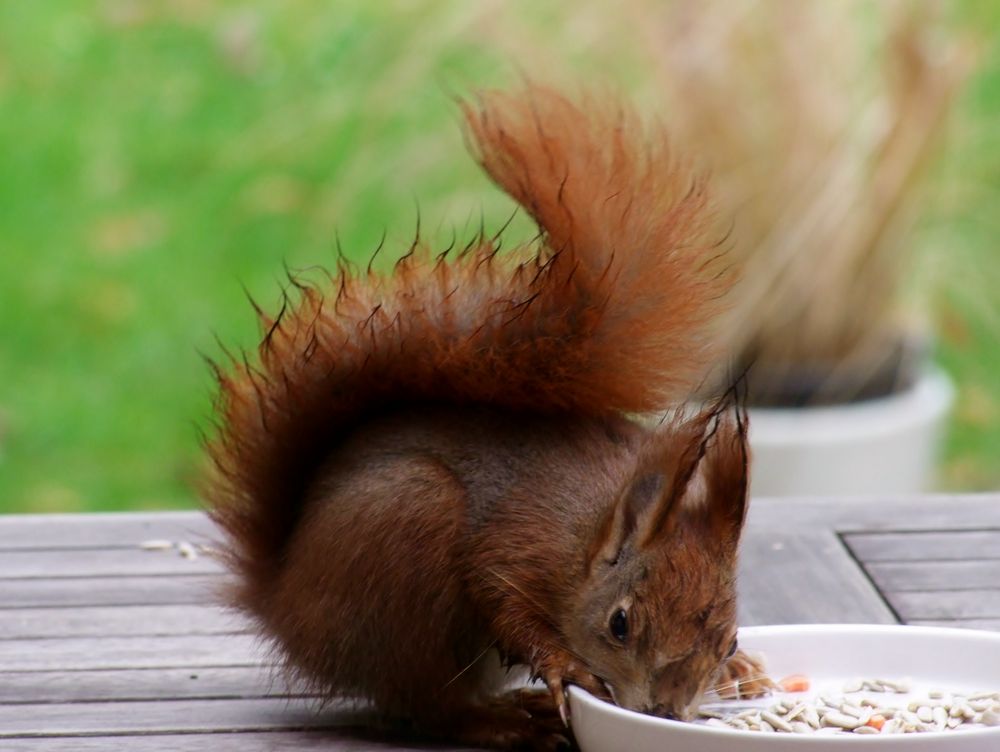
x=609, y=313
x=457, y=433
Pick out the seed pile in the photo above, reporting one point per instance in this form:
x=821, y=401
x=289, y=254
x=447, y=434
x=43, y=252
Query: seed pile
x=830, y=714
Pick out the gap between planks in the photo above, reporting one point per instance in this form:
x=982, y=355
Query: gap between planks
x=113, y=685
x=171, y=716
x=332, y=740
x=85, y=653
x=55, y=622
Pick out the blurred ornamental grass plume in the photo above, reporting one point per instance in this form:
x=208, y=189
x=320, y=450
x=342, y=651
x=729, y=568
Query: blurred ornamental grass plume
x=817, y=137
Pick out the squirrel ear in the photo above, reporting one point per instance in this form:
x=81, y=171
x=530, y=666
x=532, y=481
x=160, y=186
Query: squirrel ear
x=678, y=453
x=650, y=502
x=622, y=519
x=727, y=477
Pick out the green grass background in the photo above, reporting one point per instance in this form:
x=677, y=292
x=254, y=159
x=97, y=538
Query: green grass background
x=156, y=157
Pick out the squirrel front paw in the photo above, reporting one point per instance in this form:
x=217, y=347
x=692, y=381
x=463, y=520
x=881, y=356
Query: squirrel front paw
x=522, y=719
x=559, y=669
x=743, y=677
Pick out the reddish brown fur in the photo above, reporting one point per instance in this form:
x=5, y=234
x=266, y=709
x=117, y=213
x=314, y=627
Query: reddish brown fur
x=425, y=465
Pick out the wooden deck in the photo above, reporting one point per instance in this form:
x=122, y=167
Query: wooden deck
x=107, y=646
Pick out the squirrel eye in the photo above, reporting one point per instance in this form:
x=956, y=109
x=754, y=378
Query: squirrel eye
x=619, y=625
x=732, y=649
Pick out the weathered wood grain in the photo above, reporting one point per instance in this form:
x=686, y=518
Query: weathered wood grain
x=99, y=639
x=926, y=545
x=876, y=513
x=787, y=576
x=332, y=740
x=104, y=684
x=75, y=654
x=122, y=621
x=110, y=591
x=65, y=719
x=935, y=575
x=101, y=562
x=947, y=604
x=102, y=529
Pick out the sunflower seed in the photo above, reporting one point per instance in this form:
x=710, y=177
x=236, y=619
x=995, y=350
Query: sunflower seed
x=156, y=544
x=186, y=550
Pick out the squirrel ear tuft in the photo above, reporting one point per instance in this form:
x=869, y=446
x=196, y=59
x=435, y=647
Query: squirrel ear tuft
x=727, y=477
x=707, y=450
x=678, y=451
x=648, y=507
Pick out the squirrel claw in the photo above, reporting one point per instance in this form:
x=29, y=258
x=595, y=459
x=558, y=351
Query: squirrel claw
x=570, y=672
x=564, y=713
x=554, y=681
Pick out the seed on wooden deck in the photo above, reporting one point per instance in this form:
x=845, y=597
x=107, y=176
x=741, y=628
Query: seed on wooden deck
x=156, y=544
x=186, y=550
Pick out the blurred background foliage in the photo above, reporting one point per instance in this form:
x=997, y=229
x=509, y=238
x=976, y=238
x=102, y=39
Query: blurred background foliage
x=160, y=156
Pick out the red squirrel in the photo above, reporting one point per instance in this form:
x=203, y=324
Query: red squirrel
x=426, y=467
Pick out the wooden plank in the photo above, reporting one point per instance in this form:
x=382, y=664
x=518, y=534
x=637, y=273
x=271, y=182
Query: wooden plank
x=876, y=513
x=123, y=621
x=165, y=716
x=935, y=575
x=101, y=562
x=923, y=546
x=787, y=576
x=129, y=652
x=331, y=740
x=943, y=604
x=142, y=684
x=102, y=529
x=110, y=591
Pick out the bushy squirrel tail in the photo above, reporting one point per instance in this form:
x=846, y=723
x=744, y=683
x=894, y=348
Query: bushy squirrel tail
x=608, y=312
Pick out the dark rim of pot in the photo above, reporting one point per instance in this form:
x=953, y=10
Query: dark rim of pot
x=894, y=370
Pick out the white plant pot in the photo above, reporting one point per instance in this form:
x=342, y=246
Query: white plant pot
x=881, y=446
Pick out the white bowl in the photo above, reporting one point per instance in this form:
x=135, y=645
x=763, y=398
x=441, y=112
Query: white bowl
x=953, y=660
